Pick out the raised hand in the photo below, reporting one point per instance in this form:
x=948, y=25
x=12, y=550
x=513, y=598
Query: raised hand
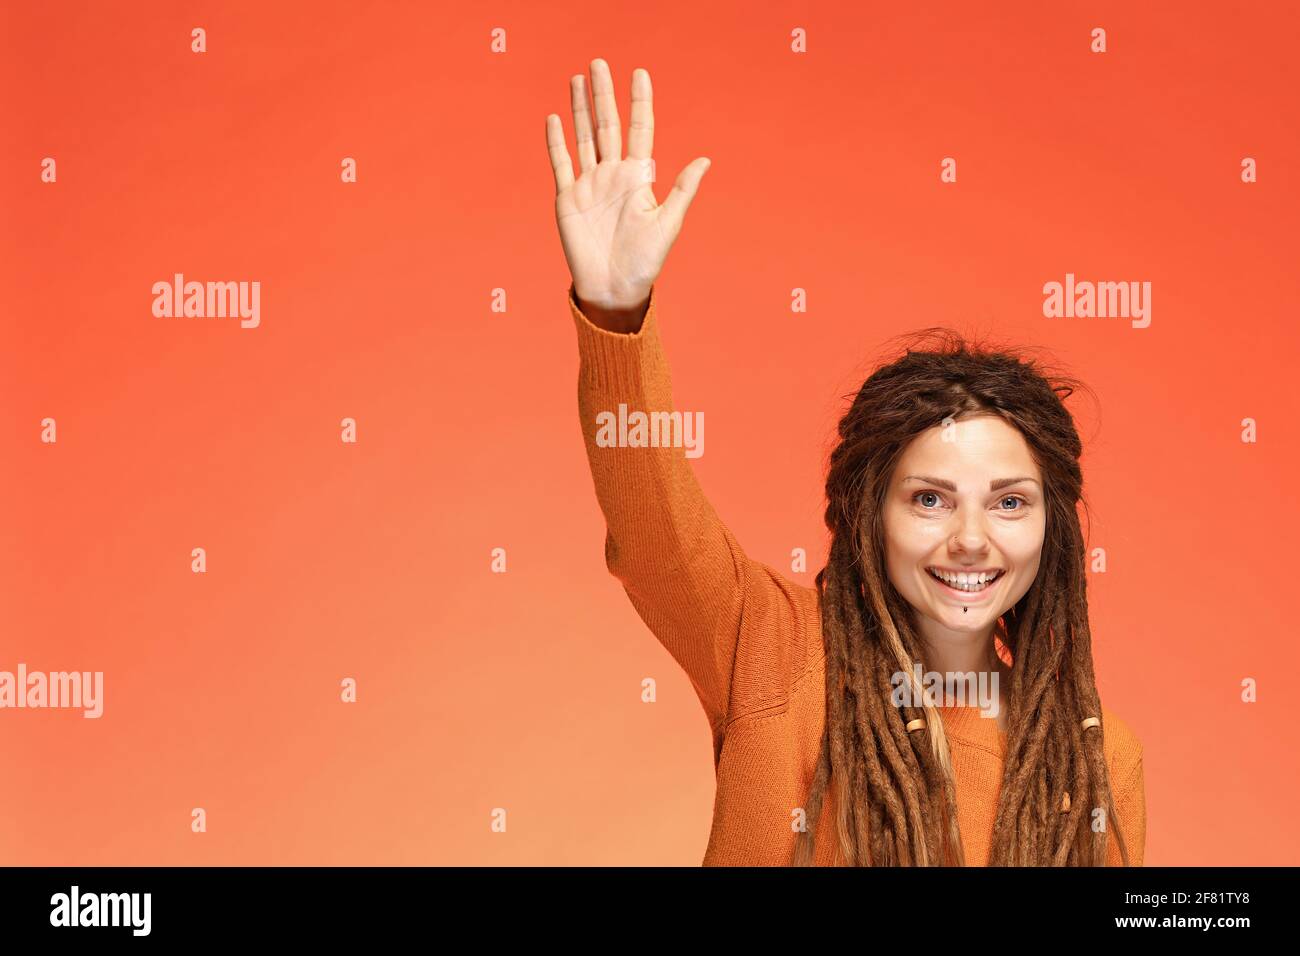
x=615, y=233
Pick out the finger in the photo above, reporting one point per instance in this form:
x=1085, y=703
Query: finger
x=561, y=164
x=582, y=122
x=683, y=191
x=609, y=134
x=641, y=134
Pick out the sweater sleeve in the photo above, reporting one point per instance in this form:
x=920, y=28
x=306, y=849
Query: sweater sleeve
x=1131, y=807
x=736, y=627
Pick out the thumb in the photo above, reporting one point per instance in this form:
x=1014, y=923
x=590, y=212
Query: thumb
x=683, y=191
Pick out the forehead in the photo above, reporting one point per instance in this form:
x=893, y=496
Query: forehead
x=979, y=450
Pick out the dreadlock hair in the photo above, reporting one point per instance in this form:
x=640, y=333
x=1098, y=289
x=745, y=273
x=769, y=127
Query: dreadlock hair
x=893, y=789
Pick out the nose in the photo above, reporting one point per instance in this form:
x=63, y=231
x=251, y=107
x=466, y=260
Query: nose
x=969, y=534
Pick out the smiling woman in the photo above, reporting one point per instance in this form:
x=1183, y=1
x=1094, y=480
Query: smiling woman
x=956, y=541
x=956, y=547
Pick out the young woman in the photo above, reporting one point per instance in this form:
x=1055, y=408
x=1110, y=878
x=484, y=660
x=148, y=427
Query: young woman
x=956, y=550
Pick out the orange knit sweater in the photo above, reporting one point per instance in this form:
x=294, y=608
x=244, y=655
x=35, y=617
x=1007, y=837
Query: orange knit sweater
x=750, y=639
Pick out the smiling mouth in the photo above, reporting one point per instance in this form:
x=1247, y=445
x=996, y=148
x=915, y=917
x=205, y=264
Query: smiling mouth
x=971, y=584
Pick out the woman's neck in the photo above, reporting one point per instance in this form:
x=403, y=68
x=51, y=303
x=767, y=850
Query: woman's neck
x=961, y=653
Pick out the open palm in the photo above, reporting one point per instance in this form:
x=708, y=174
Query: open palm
x=614, y=232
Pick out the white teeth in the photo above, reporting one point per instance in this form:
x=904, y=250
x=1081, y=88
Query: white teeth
x=965, y=582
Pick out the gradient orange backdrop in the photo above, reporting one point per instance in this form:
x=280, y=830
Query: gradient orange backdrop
x=522, y=690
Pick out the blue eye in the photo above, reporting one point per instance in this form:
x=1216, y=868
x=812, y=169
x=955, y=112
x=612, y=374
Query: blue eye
x=1016, y=498
x=929, y=494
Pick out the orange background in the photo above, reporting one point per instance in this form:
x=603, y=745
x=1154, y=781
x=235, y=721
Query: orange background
x=522, y=690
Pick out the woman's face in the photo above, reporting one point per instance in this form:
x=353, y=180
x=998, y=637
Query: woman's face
x=966, y=497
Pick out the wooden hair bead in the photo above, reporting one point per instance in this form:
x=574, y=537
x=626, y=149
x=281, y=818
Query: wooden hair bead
x=916, y=724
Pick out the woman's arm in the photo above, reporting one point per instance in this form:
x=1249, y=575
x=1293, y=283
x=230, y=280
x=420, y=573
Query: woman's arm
x=683, y=569
x=736, y=627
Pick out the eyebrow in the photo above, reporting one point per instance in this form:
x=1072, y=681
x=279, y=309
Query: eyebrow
x=950, y=486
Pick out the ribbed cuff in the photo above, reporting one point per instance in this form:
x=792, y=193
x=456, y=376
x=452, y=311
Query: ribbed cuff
x=618, y=360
